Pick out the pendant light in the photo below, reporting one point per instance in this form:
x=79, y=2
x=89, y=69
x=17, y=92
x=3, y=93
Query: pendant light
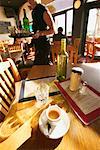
x=77, y=4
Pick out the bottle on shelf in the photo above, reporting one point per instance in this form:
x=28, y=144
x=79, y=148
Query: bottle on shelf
x=25, y=21
x=19, y=25
x=62, y=61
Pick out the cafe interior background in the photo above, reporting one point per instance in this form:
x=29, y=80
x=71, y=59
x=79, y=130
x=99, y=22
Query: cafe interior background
x=82, y=22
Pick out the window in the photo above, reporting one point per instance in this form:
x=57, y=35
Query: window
x=93, y=22
x=65, y=20
x=93, y=31
x=69, y=22
x=60, y=22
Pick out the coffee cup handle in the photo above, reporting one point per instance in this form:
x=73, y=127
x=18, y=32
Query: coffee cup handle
x=57, y=106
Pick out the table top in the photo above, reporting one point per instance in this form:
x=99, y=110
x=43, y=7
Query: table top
x=41, y=71
x=90, y=75
x=21, y=35
x=78, y=137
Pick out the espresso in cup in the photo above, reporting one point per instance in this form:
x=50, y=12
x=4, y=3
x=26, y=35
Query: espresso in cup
x=53, y=114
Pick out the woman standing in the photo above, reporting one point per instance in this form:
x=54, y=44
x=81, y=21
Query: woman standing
x=42, y=26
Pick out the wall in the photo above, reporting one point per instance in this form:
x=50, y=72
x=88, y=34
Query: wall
x=4, y=18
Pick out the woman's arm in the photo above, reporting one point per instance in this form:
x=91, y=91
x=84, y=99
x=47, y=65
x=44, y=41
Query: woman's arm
x=50, y=23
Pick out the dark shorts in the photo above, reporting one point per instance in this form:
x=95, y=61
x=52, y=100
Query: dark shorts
x=42, y=47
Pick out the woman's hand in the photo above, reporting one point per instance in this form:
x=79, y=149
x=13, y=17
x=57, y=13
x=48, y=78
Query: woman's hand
x=36, y=35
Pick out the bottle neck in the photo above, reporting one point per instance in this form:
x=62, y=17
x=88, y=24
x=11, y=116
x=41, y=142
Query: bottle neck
x=24, y=13
x=63, y=46
x=19, y=25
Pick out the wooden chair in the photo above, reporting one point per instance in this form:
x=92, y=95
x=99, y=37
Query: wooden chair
x=91, y=49
x=8, y=76
x=16, y=119
x=73, y=51
x=76, y=49
x=55, y=48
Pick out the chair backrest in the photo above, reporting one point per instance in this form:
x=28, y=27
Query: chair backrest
x=14, y=48
x=77, y=43
x=90, y=50
x=8, y=75
x=89, y=47
x=76, y=49
x=55, y=48
x=73, y=50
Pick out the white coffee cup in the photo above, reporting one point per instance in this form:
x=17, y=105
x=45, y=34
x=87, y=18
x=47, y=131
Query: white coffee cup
x=53, y=114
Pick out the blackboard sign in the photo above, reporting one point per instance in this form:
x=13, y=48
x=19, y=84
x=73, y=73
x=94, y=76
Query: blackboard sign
x=4, y=27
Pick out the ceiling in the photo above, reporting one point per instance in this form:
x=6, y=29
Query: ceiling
x=55, y=3
x=18, y=3
x=12, y=3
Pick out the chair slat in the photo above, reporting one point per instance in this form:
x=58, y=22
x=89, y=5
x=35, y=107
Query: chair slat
x=55, y=48
x=3, y=113
x=7, y=82
x=14, y=70
x=4, y=104
x=6, y=89
x=9, y=75
x=4, y=96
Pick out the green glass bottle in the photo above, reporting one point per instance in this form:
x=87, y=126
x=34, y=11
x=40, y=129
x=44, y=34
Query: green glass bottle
x=25, y=21
x=62, y=62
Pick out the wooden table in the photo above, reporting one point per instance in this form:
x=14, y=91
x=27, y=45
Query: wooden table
x=39, y=71
x=28, y=136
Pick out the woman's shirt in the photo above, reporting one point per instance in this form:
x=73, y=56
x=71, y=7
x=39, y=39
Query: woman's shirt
x=37, y=15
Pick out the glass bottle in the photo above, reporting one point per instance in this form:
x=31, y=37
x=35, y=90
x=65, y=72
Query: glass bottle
x=62, y=61
x=19, y=25
x=25, y=21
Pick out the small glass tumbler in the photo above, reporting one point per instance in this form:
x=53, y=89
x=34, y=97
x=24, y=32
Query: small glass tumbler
x=41, y=93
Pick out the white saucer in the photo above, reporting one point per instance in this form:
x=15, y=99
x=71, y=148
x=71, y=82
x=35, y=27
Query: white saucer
x=60, y=129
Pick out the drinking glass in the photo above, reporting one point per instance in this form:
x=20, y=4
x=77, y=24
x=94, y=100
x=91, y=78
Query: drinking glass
x=75, y=78
x=41, y=93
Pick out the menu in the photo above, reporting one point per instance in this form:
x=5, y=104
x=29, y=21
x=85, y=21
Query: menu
x=28, y=88
x=86, y=106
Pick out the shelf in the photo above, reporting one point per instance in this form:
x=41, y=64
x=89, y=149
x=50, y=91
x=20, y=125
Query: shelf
x=21, y=35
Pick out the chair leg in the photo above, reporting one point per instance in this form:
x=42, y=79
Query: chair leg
x=71, y=57
x=75, y=58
